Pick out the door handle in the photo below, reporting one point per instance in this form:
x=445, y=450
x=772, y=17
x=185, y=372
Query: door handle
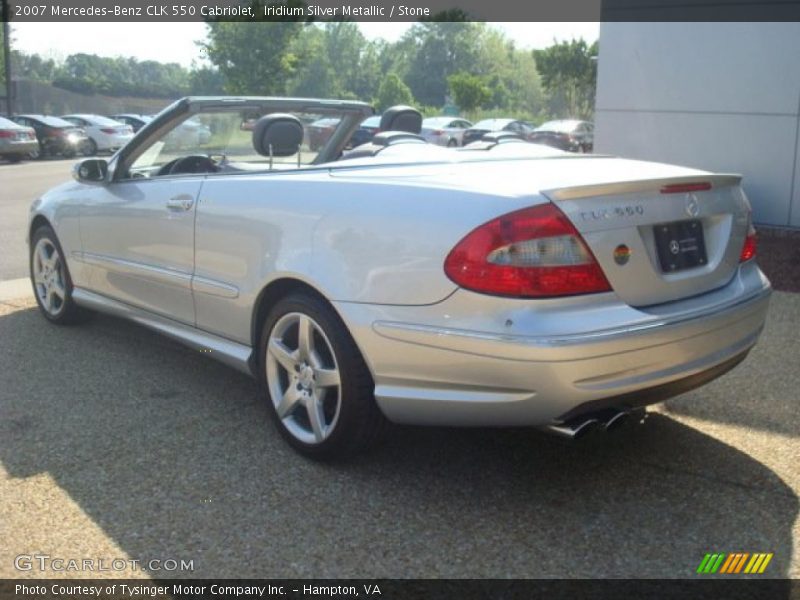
x=181, y=202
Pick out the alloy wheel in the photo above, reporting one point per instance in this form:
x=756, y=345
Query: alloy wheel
x=303, y=378
x=48, y=277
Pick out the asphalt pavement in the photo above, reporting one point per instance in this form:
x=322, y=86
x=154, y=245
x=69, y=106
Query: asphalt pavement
x=21, y=184
x=116, y=442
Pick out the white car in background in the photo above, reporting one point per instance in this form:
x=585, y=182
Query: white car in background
x=105, y=135
x=445, y=131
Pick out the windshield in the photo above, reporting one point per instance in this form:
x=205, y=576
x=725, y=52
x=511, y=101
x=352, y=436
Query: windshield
x=225, y=136
x=371, y=122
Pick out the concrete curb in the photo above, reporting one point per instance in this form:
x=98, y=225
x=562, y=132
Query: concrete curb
x=14, y=289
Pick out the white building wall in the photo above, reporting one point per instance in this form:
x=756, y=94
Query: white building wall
x=718, y=96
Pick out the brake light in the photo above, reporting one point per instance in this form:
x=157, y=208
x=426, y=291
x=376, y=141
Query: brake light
x=749, y=247
x=438, y=132
x=109, y=130
x=530, y=253
x=5, y=133
x=679, y=188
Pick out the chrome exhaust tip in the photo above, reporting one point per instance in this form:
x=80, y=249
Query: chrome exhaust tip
x=617, y=420
x=574, y=429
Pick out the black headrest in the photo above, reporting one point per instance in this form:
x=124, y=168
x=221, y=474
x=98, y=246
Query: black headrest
x=277, y=134
x=401, y=118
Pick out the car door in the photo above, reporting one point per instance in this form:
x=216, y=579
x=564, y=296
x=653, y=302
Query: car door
x=138, y=237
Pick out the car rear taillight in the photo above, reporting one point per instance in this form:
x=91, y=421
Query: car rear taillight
x=438, y=131
x=749, y=247
x=5, y=133
x=530, y=253
x=109, y=130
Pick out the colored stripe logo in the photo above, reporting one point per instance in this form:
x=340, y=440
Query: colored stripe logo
x=734, y=563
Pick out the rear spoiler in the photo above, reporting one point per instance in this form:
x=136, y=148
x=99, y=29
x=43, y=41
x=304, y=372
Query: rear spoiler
x=645, y=185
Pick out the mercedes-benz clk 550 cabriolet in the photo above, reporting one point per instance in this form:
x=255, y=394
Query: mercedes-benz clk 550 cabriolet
x=503, y=284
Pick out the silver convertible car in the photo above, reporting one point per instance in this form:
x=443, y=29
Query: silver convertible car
x=500, y=284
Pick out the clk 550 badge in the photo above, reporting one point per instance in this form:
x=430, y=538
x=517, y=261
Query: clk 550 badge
x=615, y=212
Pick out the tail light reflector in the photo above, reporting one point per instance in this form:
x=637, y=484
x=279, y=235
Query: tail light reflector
x=681, y=188
x=530, y=253
x=749, y=247
x=5, y=133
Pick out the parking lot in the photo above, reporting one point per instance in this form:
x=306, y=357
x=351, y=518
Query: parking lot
x=116, y=443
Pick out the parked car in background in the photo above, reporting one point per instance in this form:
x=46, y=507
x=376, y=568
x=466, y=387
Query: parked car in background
x=16, y=141
x=567, y=134
x=193, y=131
x=56, y=136
x=365, y=132
x=508, y=284
x=105, y=135
x=320, y=131
x=445, y=131
x=135, y=121
x=475, y=132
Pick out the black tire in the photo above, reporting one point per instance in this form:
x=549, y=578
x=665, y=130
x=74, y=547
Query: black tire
x=360, y=424
x=69, y=313
x=14, y=158
x=68, y=153
x=89, y=148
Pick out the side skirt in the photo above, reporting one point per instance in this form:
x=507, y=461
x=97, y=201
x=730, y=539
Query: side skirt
x=230, y=353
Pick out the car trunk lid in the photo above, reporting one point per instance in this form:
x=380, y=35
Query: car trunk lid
x=659, y=240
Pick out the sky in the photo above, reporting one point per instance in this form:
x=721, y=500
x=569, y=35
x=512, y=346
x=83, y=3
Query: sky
x=175, y=42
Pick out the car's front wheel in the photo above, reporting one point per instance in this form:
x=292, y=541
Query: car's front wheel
x=320, y=390
x=52, y=285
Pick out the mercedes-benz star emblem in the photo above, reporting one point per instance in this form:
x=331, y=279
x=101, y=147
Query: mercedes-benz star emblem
x=692, y=205
x=674, y=247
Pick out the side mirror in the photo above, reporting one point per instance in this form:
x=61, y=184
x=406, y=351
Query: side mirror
x=90, y=170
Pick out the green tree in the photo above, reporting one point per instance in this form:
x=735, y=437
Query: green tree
x=393, y=91
x=469, y=91
x=439, y=50
x=569, y=74
x=255, y=57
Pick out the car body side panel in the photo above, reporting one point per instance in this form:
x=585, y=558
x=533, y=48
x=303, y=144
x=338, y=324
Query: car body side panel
x=355, y=241
x=61, y=208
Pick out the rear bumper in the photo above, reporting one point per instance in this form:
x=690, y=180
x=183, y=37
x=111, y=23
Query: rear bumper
x=480, y=360
x=14, y=147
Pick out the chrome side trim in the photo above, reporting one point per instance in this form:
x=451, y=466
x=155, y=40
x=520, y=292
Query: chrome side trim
x=230, y=353
x=214, y=288
x=631, y=187
x=136, y=269
x=438, y=336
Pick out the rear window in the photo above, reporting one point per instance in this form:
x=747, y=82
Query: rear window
x=371, y=122
x=102, y=121
x=491, y=124
x=55, y=122
x=560, y=126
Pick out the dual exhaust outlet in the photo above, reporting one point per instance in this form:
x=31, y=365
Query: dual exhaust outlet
x=609, y=420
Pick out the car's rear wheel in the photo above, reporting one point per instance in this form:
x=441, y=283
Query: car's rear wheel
x=89, y=147
x=52, y=285
x=14, y=158
x=319, y=388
